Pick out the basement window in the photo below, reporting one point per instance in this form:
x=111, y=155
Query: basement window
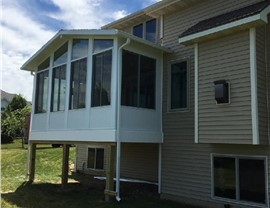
x=240, y=179
x=95, y=158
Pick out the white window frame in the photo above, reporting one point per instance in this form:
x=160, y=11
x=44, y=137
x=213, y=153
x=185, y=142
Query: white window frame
x=95, y=147
x=144, y=29
x=170, y=110
x=237, y=200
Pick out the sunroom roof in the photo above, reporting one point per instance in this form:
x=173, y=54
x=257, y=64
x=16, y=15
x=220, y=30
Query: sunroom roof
x=63, y=35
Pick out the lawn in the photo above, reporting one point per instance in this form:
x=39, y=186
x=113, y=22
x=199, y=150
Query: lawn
x=46, y=190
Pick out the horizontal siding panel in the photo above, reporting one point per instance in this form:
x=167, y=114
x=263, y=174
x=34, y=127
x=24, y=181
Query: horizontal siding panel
x=186, y=167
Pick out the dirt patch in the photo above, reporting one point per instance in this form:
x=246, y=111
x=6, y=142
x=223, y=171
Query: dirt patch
x=128, y=189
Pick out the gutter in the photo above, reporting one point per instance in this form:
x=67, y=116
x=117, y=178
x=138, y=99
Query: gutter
x=118, y=109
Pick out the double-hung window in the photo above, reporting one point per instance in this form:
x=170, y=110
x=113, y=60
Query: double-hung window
x=102, y=69
x=146, y=30
x=239, y=178
x=42, y=86
x=179, y=86
x=95, y=159
x=78, y=74
x=59, y=79
x=138, y=80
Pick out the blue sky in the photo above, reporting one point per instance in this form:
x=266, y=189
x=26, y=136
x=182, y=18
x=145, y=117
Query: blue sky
x=28, y=24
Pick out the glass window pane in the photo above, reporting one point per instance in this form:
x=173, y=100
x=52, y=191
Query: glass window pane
x=78, y=84
x=60, y=56
x=58, y=88
x=138, y=30
x=42, y=85
x=224, y=177
x=102, y=44
x=96, y=79
x=147, y=82
x=179, y=85
x=101, y=79
x=151, y=30
x=106, y=78
x=100, y=158
x=130, y=67
x=91, y=158
x=252, y=180
x=44, y=65
x=79, y=48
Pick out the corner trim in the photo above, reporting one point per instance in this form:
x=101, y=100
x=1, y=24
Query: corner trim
x=196, y=98
x=253, y=85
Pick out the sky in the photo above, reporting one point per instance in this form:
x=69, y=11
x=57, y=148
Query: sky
x=26, y=25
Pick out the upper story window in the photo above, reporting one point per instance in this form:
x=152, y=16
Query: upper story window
x=101, y=77
x=146, y=30
x=138, y=80
x=240, y=178
x=59, y=79
x=78, y=74
x=42, y=86
x=179, y=86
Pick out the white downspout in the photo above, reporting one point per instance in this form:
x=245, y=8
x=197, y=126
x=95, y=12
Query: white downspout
x=267, y=81
x=118, y=109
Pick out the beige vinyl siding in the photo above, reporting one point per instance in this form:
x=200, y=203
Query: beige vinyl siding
x=138, y=161
x=227, y=59
x=186, y=166
x=262, y=84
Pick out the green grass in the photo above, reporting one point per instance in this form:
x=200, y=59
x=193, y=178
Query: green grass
x=46, y=191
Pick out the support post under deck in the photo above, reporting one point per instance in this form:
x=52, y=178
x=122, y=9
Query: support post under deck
x=32, y=162
x=65, y=164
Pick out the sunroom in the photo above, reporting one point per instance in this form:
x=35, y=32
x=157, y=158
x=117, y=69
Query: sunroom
x=78, y=77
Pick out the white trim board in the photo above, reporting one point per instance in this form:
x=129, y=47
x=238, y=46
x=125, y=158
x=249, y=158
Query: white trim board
x=253, y=85
x=196, y=94
x=259, y=17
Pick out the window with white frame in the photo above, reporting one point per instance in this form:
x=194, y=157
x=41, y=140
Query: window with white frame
x=102, y=69
x=146, y=30
x=179, y=86
x=239, y=178
x=59, y=79
x=95, y=158
x=78, y=74
x=42, y=87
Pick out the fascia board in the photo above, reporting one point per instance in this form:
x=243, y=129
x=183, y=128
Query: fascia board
x=73, y=33
x=262, y=16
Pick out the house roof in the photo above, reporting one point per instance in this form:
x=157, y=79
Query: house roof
x=152, y=11
x=63, y=35
x=250, y=13
x=6, y=96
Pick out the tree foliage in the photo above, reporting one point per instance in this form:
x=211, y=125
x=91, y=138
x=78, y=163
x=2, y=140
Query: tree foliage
x=18, y=102
x=13, y=118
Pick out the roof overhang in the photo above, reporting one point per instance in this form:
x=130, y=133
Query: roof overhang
x=153, y=11
x=63, y=35
x=245, y=23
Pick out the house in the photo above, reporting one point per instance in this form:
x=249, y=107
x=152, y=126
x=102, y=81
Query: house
x=5, y=99
x=176, y=93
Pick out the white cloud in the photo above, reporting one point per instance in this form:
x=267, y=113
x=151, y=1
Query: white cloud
x=23, y=34
x=21, y=37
